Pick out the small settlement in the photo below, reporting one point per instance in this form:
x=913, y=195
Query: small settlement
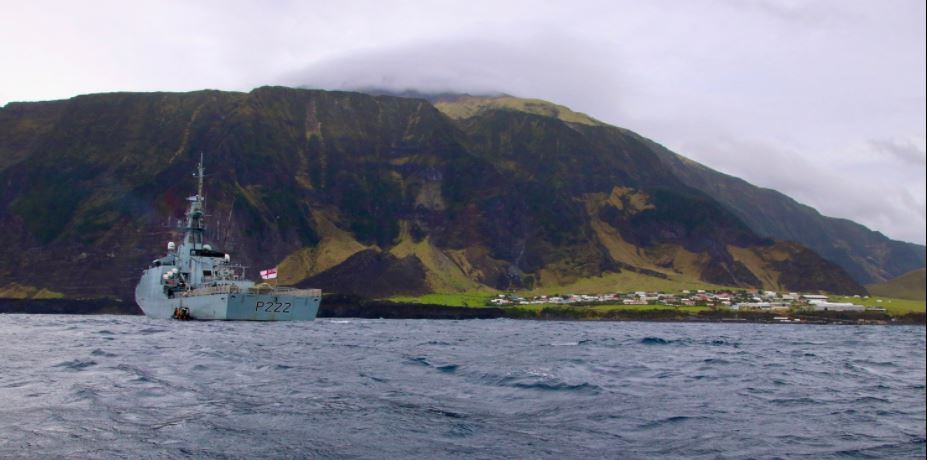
x=733, y=300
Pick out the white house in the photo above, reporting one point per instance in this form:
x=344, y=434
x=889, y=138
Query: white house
x=810, y=297
x=836, y=306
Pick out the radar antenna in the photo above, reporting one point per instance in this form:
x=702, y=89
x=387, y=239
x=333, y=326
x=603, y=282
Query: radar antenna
x=200, y=170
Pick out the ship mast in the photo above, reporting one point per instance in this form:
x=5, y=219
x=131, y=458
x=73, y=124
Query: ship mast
x=194, y=228
x=199, y=186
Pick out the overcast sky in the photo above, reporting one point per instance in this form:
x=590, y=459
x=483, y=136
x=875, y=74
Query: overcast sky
x=822, y=100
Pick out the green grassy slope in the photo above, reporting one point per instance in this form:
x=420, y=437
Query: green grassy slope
x=894, y=306
x=911, y=285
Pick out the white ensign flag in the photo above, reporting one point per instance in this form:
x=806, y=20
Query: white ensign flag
x=269, y=274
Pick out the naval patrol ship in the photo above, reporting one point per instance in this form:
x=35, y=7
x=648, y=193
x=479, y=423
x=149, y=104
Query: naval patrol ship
x=196, y=281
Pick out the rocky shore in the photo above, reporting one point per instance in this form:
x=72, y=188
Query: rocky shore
x=337, y=306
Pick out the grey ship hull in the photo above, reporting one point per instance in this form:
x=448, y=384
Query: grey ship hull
x=225, y=304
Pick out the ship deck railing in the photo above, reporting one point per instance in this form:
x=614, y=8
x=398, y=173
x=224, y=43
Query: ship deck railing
x=285, y=290
x=234, y=289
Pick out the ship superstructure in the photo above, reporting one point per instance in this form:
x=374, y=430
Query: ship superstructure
x=195, y=281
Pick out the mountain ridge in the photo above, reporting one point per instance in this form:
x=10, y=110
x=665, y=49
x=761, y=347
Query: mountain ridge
x=867, y=255
x=342, y=188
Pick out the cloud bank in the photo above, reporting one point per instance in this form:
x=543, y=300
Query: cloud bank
x=824, y=101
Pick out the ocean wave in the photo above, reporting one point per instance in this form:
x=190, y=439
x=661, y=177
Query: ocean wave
x=99, y=352
x=540, y=381
x=673, y=420
x=551, y=385
x=77, y=364
x=475, y=389
x=656, y=341
x=422, y=361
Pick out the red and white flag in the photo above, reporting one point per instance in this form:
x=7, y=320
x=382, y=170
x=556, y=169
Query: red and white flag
x=269, y=274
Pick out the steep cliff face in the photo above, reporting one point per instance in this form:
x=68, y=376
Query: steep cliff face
x=362, y=194
x=868, y=256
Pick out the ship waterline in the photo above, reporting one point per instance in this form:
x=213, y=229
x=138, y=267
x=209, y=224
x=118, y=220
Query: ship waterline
x=228, y=303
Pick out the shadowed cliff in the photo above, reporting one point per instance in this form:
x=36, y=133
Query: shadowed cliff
x=370, y=195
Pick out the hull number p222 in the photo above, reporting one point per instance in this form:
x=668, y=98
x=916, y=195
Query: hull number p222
x=273, y=307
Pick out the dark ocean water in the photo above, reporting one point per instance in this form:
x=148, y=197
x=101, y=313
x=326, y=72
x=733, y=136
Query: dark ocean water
x=109, y=386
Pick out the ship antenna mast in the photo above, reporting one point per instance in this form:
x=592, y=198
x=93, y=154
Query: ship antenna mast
x=200, y=171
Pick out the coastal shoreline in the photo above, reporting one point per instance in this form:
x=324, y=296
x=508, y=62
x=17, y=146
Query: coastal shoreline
x=350, y=307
